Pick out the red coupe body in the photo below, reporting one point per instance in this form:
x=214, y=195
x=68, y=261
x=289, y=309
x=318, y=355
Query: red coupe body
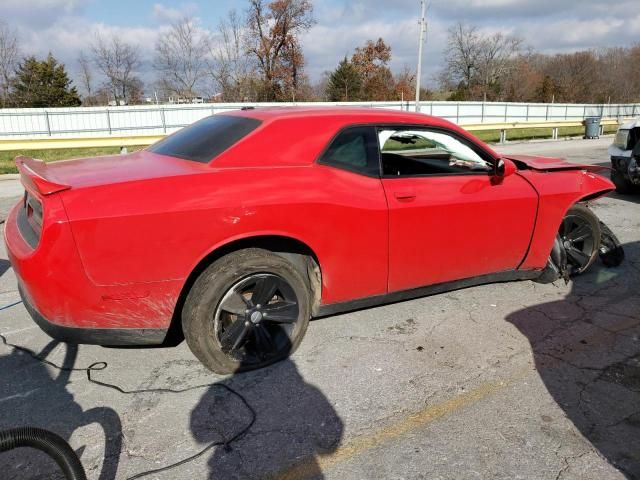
x=104, y=248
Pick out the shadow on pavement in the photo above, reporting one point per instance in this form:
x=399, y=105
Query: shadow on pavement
x=31, y=397
x=295, y=423
x=627, y=197
x=587, y=352
x=4, y=266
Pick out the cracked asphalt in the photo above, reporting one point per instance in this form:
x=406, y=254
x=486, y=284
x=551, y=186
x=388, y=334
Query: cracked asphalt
x=507, y=381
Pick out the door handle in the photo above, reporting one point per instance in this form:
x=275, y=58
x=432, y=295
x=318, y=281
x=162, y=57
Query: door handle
x=405, y=196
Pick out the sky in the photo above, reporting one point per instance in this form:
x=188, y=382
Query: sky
x=65, y=27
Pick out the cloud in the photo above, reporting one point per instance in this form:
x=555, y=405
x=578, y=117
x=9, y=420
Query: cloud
x=550, y=26
x=65, y=27
x=70, y=35
x=67, y=6
x=39, y=13
x=171, y=15
x=563, y=35
x=327, y=43
x=499, y=10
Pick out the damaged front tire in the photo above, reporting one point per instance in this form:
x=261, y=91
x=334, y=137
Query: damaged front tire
x=576, y=246
x=580, y=232
x=611, y=251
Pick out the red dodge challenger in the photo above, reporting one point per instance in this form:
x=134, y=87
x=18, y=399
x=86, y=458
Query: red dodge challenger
x=241, y=227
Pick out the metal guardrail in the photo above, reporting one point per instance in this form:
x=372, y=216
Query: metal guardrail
x=161, y=119
x=22, y=144
x=554, y=126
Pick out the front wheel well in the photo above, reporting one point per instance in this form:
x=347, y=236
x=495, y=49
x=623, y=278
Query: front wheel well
x=297, y=252
x=593, y=196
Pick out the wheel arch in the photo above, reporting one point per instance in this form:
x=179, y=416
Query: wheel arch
x=591, y=196
x=557, y=197
x=584, y=199
x=293, y=249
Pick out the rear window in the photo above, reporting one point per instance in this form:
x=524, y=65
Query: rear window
x=355, y=149
x=207, y=138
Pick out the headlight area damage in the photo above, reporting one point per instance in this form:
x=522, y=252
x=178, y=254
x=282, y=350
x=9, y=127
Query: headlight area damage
x=582, y=238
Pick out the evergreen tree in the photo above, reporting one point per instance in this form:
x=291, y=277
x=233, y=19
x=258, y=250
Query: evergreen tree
x=43, y=84
x=345, y=84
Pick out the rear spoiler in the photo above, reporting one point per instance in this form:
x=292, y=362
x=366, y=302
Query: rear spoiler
x=33, y=174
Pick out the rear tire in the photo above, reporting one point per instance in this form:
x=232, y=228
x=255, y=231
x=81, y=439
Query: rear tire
x=247, y=310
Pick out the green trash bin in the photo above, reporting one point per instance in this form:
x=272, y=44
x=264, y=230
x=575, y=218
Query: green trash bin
x=591, y=127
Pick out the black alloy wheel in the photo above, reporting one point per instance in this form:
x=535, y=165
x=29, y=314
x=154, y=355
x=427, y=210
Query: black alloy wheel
x=248, y=309
x=255, y=319
x=580, y=234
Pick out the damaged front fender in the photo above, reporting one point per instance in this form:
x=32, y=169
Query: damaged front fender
x=558, y=191
x=610, y=253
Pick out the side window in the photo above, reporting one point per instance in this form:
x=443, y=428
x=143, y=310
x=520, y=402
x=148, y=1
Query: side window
x=355, y=149
x=415, y=151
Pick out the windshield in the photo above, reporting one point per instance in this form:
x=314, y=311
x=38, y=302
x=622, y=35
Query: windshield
x=207, y=138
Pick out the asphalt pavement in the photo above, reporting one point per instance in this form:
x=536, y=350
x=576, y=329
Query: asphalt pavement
x=509, y=381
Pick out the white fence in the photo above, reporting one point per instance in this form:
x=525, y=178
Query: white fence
x=160, y=119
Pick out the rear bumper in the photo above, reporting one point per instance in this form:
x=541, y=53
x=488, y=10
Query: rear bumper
x=67, y=305
x=94, y=336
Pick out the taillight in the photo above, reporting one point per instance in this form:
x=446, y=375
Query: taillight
x=30, y=219
x=34, y=211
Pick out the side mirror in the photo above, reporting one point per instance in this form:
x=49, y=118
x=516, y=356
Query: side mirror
x=505, y=167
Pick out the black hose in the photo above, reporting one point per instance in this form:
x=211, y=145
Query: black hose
x=50, y=443
x=97, y=366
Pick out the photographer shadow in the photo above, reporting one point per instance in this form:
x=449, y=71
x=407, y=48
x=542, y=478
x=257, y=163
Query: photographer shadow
x=295, y=424
x=586, y=350
x=32, y=397
x=4, y=266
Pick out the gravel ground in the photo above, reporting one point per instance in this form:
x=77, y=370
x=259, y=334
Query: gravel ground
x=515, y=380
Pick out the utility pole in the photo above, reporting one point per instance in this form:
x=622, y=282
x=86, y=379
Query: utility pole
x=423, y=30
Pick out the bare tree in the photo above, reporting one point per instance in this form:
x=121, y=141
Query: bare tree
x=477, y=63
x=495, y=54
x=231, y=68
x=86, y=78
x=618, y=74
x=573, y=75
x=405, y=83
x=118, y=61
x=273, y=29
x=9, y=53
x=181, y=58
x=525, y=82
x=462, y=54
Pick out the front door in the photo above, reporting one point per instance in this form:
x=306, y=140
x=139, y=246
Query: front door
x=449, y=217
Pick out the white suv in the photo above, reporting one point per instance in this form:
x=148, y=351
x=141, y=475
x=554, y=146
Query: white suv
x=625, y=157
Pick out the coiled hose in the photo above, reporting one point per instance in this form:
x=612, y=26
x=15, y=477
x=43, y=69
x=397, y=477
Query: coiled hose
x=50, y=443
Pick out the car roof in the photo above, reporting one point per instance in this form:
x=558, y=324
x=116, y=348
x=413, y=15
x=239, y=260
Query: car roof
x=295, y=147
x=349, y=113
